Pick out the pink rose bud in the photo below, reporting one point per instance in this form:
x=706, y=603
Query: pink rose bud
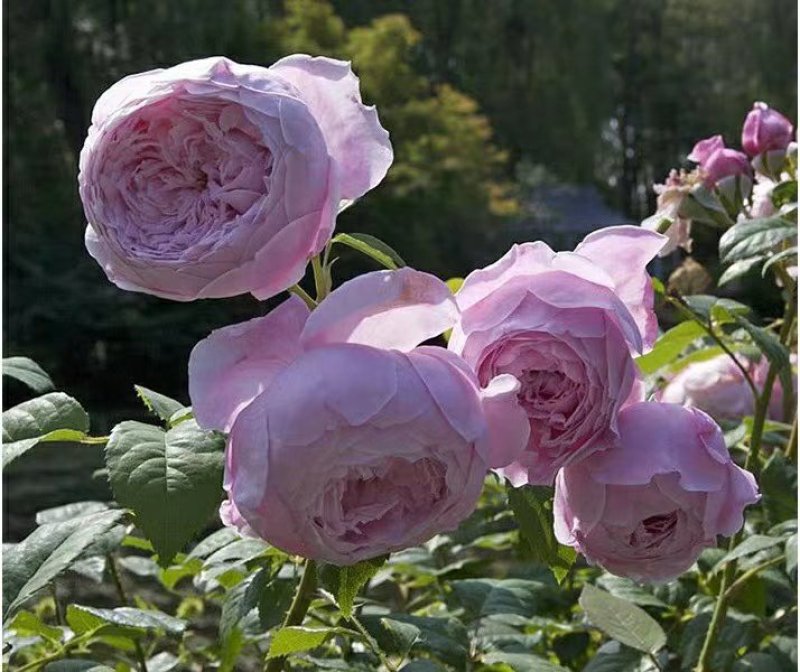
x=348, y=440
x=211, y=179
x=705, y=148
x=564, y=325
x=646, y=507
x=765, y=129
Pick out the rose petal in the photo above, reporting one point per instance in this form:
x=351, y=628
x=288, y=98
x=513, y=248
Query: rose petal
x=232, y=365
x=509, y=429
x=624, y=252
x=357, y=141
x=385, y=309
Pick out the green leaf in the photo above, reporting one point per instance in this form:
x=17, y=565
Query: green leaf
x=159, y=404
x=615, y=657
x=76, y=665
x=753, y=544
x=532, y=507
x=345, y=582
x=274, y=601
x=50, y=549
x=84, y=619
x=756, y=662
x=737, y=631
x=780, y=256
x=396, y=637
x=372, y=247
x=629, y=590
x=708, y=307
x=622, y=620
x=294, y=639
x=51, y=417
x=773, y=349
x=739, y=268
x=791, y=554
x=668, y=346
x=522, y=662
x=59, y=514
x=455, y=284
x=778, y=483
x=29, y=372
x=171, y=480
x=753, y=237
x=240, y=601
x=485, y=597
x=445, y=638
x=26, y=624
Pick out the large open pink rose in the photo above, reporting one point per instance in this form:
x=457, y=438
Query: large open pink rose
x=564, y=324
x=347, y=440
x=212, y=179
x=647, y=507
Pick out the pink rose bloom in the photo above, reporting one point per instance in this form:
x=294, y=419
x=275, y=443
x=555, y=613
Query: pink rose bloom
x=648, y=506
x=765, y=129
x=718, y=387
x=211, y=179
x=564, y=325
x=347, y=440
x=719, y=162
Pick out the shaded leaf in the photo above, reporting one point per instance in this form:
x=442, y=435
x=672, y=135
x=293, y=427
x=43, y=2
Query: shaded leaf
x=522, y=662
x=532, y=507
x=50, y=549
x=29, y=372
x=128, y=617
x=754, y=236
x=622, y=620
x=485, y=597
x=752, y=544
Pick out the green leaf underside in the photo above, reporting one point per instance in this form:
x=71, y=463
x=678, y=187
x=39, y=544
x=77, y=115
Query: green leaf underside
x=50, y=549
x=294, y=639
x=160, y=405
x=29, y=372
x=622, y=620
x=345, y=582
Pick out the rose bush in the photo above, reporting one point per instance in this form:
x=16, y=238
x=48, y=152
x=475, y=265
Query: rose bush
x=564, y=324
x=338, y=429
x=646, y=507
x=211, y=179
x=347, y=441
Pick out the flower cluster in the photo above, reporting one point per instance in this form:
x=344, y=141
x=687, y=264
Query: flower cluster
x=348, y=437
x=726, y=183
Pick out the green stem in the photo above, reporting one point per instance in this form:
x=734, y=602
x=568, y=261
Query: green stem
x=297, y=290
x=297, y=612
x=682, y=307
x=372, y=644
x=751, y=464
x=791, y=446
x=320, y=284
x=736, y=586
x=123, y=598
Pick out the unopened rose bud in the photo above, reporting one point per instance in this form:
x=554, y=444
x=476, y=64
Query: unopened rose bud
x=765, y=129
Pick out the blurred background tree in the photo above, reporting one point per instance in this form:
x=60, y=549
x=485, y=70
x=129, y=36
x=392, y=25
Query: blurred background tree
x=491, y=106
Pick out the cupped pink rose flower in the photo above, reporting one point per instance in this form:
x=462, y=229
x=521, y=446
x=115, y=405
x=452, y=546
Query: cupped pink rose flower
x=718, y=387
x=648, y=506
x=347, y=439
x=564, y=325
x=211, y=179
x=765, y=130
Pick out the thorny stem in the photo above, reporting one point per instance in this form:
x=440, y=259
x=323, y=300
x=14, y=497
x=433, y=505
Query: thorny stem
x=751, y=464
x=296, y=614
x=376, y=649
x=736, y=586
